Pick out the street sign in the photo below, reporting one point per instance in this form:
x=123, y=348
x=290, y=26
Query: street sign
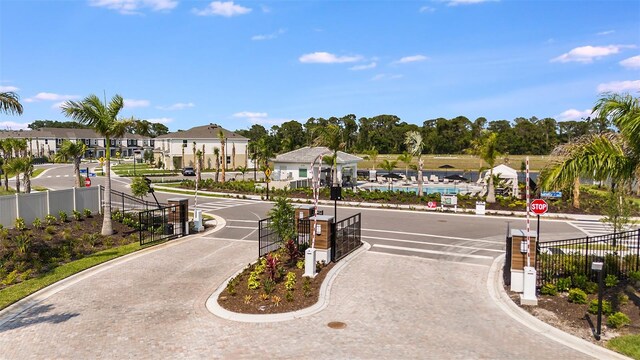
x=92, y=174
x=539, y=206
x=432, y=205
x=552, y=194
x=87, y=182
x=267, y=172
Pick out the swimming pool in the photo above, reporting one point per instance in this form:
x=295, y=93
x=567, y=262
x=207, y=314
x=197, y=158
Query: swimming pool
x=447, y=190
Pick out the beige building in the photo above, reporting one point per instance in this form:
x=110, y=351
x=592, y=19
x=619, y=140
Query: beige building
x=175, y=149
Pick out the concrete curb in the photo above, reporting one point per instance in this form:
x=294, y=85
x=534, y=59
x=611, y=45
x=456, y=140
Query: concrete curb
x=323, y=297
x=504, y=302
x=12, y=311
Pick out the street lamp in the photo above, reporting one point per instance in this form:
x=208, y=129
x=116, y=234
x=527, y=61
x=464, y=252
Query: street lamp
x=597, y=267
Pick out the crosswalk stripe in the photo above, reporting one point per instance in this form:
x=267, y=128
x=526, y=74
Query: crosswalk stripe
x=391, y=247
x=434, y=235
x=240, y=227
x=432, y=243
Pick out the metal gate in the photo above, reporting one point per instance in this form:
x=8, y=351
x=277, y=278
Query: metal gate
x=345, y=237
x=160, y=224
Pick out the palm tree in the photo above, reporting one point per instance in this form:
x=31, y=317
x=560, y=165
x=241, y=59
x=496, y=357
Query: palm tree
x=372, y=154
x=487, y=150
x=198, y=164
x=183, y=146
x=19, y=165
x=233, y=155
x=414, y=143
x=74, y=151
x=389, y=166
x=406, y=158
x=216, y=154
x=602, y=156
x=103, y=119
x=6, y=146
x=223, y=141
x=242, y=170
x=195, y=158
x=331, y=137
x=10, y=103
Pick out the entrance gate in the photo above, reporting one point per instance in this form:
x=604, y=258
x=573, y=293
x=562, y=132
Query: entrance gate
x=346, y=237
x=164, y=223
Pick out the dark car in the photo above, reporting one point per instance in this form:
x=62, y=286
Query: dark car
x=188, y=171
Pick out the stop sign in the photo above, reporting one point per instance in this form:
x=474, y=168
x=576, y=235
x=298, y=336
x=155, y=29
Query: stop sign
x=539, y=206
x=87, y=182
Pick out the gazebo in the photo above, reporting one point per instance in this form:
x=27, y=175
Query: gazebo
x=506, y=173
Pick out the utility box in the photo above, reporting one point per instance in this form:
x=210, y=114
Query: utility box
x=179, y=216
x=197, y=220
x=519, y=256
x=322, y=235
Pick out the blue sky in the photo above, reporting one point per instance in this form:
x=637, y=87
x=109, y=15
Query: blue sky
x=188, y=63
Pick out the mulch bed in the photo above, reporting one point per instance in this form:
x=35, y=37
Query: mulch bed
x=258, y=305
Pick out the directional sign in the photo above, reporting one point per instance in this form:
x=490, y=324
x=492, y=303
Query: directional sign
x=539, y=206
x=87, y=182
x=92, y=174
x=267, y=172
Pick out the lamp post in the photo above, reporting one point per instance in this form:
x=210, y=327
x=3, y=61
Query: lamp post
x=598, y=267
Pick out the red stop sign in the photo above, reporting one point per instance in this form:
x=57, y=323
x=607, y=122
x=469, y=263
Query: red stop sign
x=539, y=206
x=87, y=182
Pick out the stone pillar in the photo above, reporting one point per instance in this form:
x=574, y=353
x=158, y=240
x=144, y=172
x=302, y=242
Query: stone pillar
x=180, y=215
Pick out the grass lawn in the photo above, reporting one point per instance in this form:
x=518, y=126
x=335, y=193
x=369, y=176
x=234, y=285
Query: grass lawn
x=628, y=345
x=16, y=292
x=460, y=162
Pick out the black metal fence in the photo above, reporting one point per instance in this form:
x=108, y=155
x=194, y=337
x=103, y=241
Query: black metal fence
x=506, y=273
x=165, y=223
x=269, y=240
x=346, y=237
x=620, y=253
x=302, y=183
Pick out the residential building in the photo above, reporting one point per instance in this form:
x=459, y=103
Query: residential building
x=296, y=165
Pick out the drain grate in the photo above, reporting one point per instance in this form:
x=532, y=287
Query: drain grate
x=337, y=325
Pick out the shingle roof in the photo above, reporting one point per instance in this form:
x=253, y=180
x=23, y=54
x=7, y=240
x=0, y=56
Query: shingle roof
x=308, y=154
x=202, y=132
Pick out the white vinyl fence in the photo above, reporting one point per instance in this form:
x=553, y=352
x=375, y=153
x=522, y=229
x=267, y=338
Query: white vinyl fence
x=41, y=204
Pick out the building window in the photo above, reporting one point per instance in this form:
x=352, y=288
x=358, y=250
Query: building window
x=228, y=160
x=46, y=141
x=302, y=173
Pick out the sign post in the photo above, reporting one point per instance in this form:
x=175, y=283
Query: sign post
x=267, y=174
x=539, y=207
x=87, y=182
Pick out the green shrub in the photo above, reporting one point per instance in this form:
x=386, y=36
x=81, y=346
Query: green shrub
x=618, y=320
x=268, y=286
x=19, y=224
x=62, y=216
x=634, y=275
x=563, y=284
x=49, y=220
x=580, y=281
x=290, y=282
x=50, y=230
x=77, y=215
x=300, y=264
x=87, y=212
x=577, y=296
x=607, y=309
x=622, y=298
x=289, y=296
x=37, y=223
x=611, y=280
x=591, y=287
x=253, y=282
x=549, y=289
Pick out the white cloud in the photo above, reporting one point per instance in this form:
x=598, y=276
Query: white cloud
x=410, y=59
x=632, y=62
x=8, y=88
x=177, y=106
x=607, y=32
x=226, y=9
x=586, y=54
x=132, y=103
x=620, y=86
x=249, y=114
x=427, y=9
x=364, y=67
x=386, y=77
x=131, y=7
x=573, y=114
x=46, y=96
x=11, y=125
x=465, y=2
x=268, y=36
x=327, y=58
x=163, y=120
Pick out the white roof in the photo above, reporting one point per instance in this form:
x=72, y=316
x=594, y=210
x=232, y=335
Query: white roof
x=308, y=154
x=505, y=172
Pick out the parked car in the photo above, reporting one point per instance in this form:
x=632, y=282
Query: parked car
x=188, y=171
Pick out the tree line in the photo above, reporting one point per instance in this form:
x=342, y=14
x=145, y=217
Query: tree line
x=386, y=134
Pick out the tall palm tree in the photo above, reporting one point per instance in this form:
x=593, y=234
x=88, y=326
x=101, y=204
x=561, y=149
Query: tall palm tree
x=18, y=165
x=6, y=145
x=414, y=143
x=74, y=151
x=602, y=156
x=223, y=142
x=103, y=118
x=195, y=158
x=233, y=156
x=487, y=150
x=10, y=103
x=406, y=158
x=198, y=165
x=216, y=155
x=372, y=154
x=331, y=137
x=389, y=166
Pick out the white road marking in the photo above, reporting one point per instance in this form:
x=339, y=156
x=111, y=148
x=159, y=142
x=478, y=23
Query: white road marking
x=431, y=243
x=240, y=227
x=430, y=251
x=433, y=235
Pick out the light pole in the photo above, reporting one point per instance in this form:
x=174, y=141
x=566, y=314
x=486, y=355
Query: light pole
x=598, y=267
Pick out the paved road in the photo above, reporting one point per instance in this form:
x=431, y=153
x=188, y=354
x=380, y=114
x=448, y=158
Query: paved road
x=420, y=292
